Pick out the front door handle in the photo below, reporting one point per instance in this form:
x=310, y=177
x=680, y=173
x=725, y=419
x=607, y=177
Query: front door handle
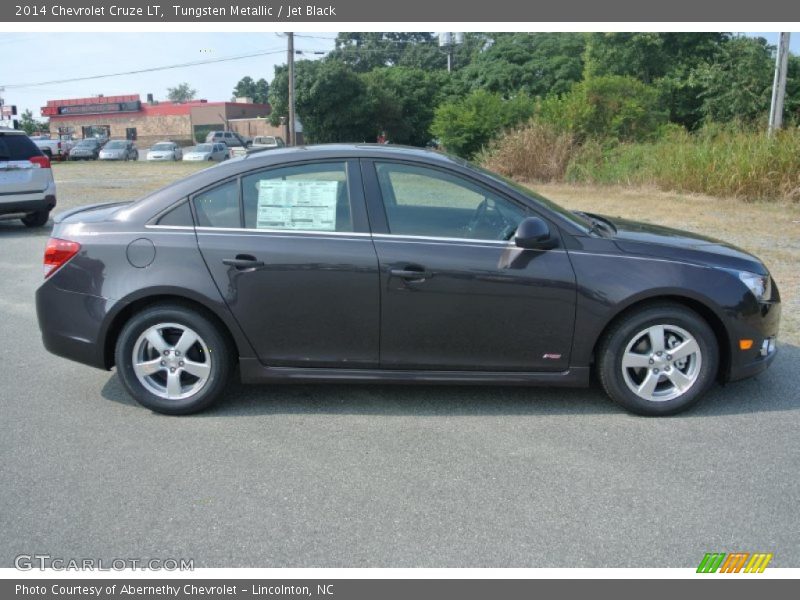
x=243, y=261
x=411, y=273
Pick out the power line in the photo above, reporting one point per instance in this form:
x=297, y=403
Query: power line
x=139, y=71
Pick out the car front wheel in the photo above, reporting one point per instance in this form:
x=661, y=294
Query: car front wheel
x=173, y=359
x=658, y=360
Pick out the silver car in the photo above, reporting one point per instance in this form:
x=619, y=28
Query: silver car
x=165, y=151
x=119, y=150
x=216, y=152
x=27, y=189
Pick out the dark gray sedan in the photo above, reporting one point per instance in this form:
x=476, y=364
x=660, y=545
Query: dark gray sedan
x=399, y=265
x=87, y=149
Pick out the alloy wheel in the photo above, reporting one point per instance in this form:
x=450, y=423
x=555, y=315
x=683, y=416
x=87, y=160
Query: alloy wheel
x=171, y=361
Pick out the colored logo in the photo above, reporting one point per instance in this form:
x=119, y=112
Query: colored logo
x=736, y=562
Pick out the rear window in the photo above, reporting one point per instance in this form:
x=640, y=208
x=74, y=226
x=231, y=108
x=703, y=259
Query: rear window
x=17, y=147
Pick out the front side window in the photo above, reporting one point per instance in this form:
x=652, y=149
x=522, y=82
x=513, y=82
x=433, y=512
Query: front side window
x=421, y=201
x=311, y=197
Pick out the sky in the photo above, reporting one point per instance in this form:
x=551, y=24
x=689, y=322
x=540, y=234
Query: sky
x=71, y=55
x=87, y=54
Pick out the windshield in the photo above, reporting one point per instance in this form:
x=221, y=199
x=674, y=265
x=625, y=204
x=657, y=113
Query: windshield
x=203, y=148
x=115, y=145
x=87, y=143
x=266, y=140
x=162, y=147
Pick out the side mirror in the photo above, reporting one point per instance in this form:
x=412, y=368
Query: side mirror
x=534, y=234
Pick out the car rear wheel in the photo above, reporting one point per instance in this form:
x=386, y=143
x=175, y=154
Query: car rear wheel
x=36, y=219
x=173, y=359
x=658, y=360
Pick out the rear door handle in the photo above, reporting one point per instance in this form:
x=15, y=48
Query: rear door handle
x=243, y=261
x=411, y=273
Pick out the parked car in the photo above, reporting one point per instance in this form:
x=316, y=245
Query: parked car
x=87, y=149
x=218, y=152
x=231, y=138
x=165, y=151
x=27, y=188
x=265, y=142
x=387, y=264
x=119, y=150
x=54, y=149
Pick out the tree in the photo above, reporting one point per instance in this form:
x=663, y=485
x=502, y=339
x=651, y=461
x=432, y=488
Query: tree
x=30, y=125
x=181, y=93
x=666, y=60
x=737, y=85
x=257, y=90
x=364, y=51
x=537, y=64
x=331, y=101
x=403, y=102
x=464, y=126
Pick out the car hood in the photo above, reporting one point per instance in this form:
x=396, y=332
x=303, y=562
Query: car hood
x=646, y=239
x=197, y=155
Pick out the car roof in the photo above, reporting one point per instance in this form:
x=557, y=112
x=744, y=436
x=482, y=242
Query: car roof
x=6, y=131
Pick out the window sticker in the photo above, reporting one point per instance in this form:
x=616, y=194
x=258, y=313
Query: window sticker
x=297, y=204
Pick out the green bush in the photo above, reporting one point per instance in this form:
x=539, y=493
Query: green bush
x=465, y=126
x=610, y=107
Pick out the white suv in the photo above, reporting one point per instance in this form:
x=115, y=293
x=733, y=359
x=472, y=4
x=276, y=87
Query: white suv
x=27, y=189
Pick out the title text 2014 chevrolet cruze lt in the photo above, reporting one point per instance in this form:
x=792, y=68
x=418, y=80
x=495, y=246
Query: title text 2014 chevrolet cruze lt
x=387, y=264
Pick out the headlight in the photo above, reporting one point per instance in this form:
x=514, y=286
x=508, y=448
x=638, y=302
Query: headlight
x=760, y=285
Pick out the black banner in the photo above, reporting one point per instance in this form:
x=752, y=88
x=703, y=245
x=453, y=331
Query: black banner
x=409, y=10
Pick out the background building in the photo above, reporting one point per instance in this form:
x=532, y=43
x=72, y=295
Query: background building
x=127, y=117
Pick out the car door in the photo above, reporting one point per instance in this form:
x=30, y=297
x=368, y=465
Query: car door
x=455, y=294
x=290, y=251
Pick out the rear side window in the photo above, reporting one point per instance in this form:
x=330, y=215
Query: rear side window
x=312, y=197
x=17, y=147
x=181, y=216
x=219, y=206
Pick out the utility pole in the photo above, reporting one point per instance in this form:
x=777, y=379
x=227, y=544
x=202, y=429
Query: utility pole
x=292, y=134
x=779, y=84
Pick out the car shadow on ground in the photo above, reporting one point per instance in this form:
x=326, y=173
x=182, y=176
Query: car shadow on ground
x=774, y=390
x=13, y=228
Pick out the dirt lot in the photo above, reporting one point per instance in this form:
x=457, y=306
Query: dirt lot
x=771, y=231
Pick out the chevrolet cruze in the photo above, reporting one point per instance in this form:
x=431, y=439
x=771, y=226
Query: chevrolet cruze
x=384, y=264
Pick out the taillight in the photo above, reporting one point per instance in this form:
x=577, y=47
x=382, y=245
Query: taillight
x=56, y=254
x=40, y=161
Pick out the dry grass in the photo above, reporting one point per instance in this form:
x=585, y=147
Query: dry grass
x=89, y=182
x=770, y=230
x=535, y=151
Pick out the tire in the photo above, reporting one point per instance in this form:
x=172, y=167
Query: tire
x=637, y=377
x=151, y=384
x=36, y=219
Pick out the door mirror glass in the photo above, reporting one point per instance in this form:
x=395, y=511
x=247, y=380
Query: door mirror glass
x=534, y=233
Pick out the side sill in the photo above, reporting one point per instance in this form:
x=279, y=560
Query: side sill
x=252, y=371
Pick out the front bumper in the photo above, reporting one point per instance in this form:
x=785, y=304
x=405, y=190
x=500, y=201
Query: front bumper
x=760, y=325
